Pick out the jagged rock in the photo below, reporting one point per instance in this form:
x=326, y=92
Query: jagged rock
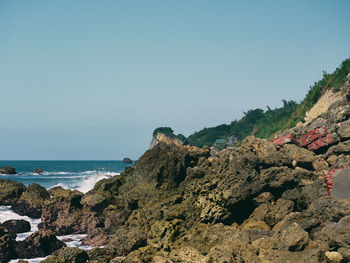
x=291, y=238
x=272, y=213
x=344, y=130
x=68, y=254
x=265, y=197
x=118, y=260
x=162, y=233
x=7, y=170
x=102, y=255
x=39, y=244
x=254, y=225
x=187, y=254
x=96, y=238
x=7, y=245
x=10, y=191
x=103, y=193
x=31, y=201
x=64, y=214
x=127, y=239
x=127, y=160
x=336, y=234
x=38, y=171
x=17, y=226
x=282, y=256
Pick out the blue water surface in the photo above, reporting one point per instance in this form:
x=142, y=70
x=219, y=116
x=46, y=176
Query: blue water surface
x=81, y=175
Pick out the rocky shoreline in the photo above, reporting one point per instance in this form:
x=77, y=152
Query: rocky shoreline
x=254, y=203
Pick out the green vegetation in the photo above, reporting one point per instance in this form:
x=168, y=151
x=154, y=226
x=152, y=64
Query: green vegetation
x=264, y=124
x=170, y=133
x=165, y=130
x=257, y=122
x=332, y=81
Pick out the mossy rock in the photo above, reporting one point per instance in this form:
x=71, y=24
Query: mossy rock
x=68, y=255
x=10, y=191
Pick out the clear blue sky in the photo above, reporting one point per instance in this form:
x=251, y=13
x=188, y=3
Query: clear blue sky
x=92, y=79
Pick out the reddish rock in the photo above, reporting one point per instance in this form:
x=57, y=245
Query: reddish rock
x=283, y=140
x=321, y=142
x=311, y=136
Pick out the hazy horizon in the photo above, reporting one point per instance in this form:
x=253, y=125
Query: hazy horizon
x=91, y=80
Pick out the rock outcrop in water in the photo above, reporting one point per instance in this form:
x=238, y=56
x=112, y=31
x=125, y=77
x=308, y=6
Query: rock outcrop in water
x=180, y=203
x=31, y=201
x=7, y=170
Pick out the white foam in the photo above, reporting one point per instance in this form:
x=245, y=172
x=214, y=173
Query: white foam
x=74, y=241
x=88, y=183
x=32, y=260
x=7, y=214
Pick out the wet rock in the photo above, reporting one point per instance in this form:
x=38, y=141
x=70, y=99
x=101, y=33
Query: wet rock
x=38, y=171
x=64, y=214
x=39, y=244
x=7, y=170
x=17, y=226
x=31, y=201
x=127, y=160
x=10, y=191
x=96, y=238
x=7, y=245
x=103, y=193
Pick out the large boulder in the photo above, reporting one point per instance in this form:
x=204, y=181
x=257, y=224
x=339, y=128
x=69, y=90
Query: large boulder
x=10, y=191
x=344, y=130
x=39, y=244
x=103, y=193
x=38, y=171
x=67, y=255
x=17, y=226
x=7, y=170
x=64, y=214
x=31, y=201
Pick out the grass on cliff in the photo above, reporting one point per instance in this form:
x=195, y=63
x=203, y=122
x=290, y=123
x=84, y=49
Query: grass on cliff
x=259, y=122
x=332, y=81
x=264, y=124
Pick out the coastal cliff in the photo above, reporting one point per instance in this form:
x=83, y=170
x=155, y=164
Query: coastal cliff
x=180, y=203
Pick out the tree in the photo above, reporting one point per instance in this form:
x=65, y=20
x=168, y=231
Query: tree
x=165, y=130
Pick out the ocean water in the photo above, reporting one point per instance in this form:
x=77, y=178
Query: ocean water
x=79, y=175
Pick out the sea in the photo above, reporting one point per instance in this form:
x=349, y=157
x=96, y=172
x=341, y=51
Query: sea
x=74, y=175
